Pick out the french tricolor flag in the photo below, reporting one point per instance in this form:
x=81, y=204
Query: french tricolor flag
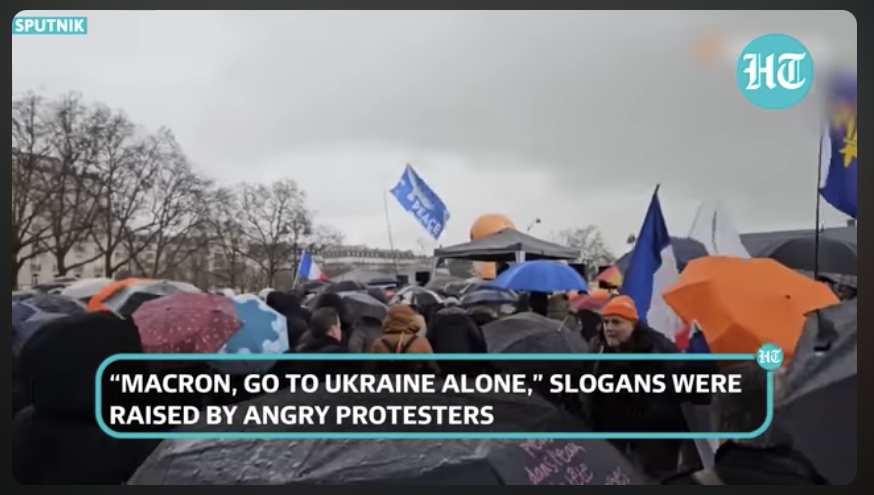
x=308, y=268
x=652, y=270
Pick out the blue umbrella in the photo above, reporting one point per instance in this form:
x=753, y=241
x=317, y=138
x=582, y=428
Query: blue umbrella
x=489, y=295
x=541, y=276
x=264, y=331
x=29, y=316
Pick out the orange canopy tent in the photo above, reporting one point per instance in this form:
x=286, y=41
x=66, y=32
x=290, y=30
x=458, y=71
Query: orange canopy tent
x=741, y=304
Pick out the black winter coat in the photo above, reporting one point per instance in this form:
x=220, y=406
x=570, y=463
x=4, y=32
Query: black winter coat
x=636, y=412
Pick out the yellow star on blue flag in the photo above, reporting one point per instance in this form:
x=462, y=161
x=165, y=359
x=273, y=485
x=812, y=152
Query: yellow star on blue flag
x=841, y=180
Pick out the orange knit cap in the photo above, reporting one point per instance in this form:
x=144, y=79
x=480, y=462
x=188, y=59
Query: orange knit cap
x=623, y=307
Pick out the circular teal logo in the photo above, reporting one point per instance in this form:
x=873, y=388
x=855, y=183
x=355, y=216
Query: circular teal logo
x=775, y=71
x=770, y=357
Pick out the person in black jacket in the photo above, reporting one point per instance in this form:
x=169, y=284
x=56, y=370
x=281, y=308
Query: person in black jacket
x=453, y=331
x=326, y=337
x=767, y=460
x=347, y=320
x=56, y=441
x=626, y=412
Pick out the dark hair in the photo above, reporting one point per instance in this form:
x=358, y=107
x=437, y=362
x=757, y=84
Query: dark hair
x=539, y=303
x=322, y=320
x=591, y=324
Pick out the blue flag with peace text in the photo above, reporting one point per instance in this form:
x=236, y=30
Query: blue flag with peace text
x=419, y=200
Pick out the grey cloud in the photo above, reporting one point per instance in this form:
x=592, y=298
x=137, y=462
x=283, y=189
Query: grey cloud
x=593, y=101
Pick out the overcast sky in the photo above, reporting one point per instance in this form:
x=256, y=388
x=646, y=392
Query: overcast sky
x=570, y=117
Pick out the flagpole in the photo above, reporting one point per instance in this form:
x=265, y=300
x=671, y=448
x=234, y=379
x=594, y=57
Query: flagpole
x=818, y=215
x=822, y=109
x=391, y=242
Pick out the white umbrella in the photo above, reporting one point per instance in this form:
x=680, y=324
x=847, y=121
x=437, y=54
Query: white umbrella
x=85, y=289
x=126, y=300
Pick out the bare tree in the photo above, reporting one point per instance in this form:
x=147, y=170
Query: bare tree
x=322, y=237
x=173, y=216
x=127, y=164
x=30, y=162
x=229, y=241
x=194, y=269
x=275, y=221
x=589, y=241
x=73, y=208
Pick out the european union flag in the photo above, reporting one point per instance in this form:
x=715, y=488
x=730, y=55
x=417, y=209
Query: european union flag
x=419, y=200
x=841, y=150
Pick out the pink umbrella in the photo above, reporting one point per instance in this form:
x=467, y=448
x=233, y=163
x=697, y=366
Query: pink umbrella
x=186, y=323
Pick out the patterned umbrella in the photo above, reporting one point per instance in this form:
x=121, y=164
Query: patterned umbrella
x=186, y=323
x=29, y=316
x=128, y=299
x=263, y=331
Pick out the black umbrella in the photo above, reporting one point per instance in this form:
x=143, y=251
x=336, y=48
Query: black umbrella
x=383, y=281
x=490, y=295
x=440, y=282
x=819, y=404
x=474, y=286
x=417, y=296
x=458, y=289
x=362, y=305
x=530, y=333
x=851, y=281
x=313, y=286
x=345, y=286
x=378, y=294
x=836, y=256
x=393, y=462
x=22, y=296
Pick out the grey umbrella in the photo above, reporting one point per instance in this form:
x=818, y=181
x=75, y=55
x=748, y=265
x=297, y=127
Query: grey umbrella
x=128, y=299
x=393, y=462
x=29, y=316
x=417, y=296
x=363, y=305
x=530, y=333
x=836, y=256
x=818, y=400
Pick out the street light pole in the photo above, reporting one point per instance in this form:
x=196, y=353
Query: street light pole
x=533, y=224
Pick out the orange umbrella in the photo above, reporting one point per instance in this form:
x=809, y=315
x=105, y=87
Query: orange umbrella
x=742, y=304
x=600, y=294
x=96, y=302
